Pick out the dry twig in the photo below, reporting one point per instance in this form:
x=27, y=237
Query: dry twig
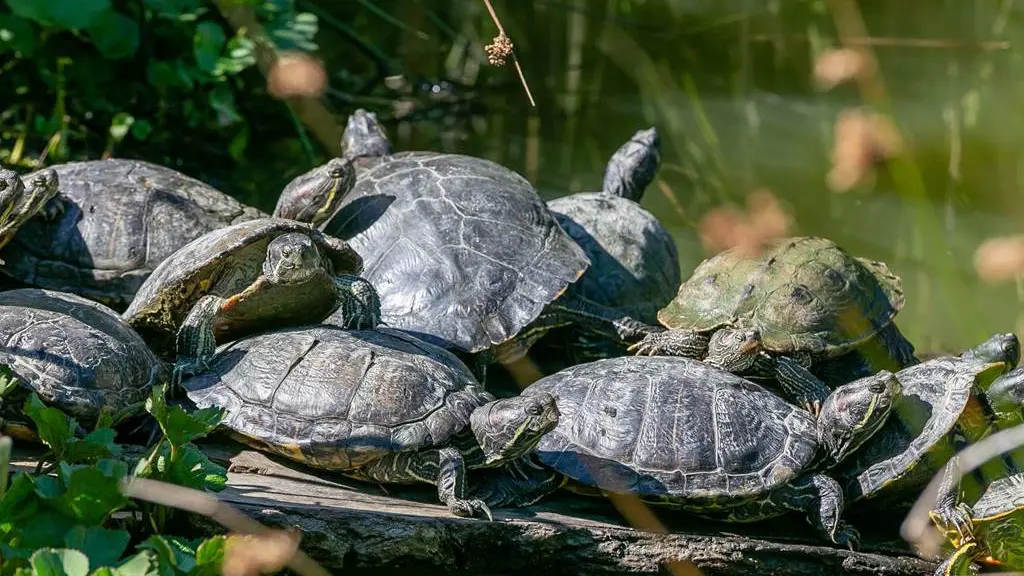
x=501, y=48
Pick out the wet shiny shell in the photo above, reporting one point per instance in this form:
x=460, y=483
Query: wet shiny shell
x=804, y=294
x=671, y=427
x=463, y=251
x=916, y=439
x=634, y=262
x=121, y=219
x=999, y=521
x=338, y=399
x=76, y=354
x=224, y=262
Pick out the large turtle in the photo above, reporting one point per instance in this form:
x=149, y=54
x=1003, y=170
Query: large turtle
x=246, y=278
x=375, y=405
x=23, y=198
x=76, y=354
x=634, y=262
x=463, y=251
x=946, y=401
x=118, y=220
x=681, y=433
x=783, y=312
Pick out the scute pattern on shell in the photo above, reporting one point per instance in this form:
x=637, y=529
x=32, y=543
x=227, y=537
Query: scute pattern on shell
x=804, y=294
x=634, y=262
x=671, y=426
x=121, y=219
x=462, y=250
x=75, y=353
x=935, y=394
x=338, y=399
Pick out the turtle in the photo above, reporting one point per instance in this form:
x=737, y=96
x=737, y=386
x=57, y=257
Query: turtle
x=76, y=354
x=681, y=433
x=463, y=251
x=634, y=262
x=21, y=201
x=784, y=314
x=947, y=401
x=376, y=405
x=118, y=219
x=245, y=278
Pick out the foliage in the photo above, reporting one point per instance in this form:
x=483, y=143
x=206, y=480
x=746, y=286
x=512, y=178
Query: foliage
x=87, y=74
x=76, y=521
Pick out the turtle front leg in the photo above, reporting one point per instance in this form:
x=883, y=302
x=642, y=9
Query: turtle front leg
x=359, y=302
x=950, y=515
x=797, y=382
x=821, y=499
x=196, y=343
x=519, y=483
x=675, y=342
x=961, y=563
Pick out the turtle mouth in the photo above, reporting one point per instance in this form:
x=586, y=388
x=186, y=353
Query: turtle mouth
x=749, y=346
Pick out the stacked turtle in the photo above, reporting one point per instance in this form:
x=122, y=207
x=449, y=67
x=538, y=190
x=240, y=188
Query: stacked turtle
x=351, y=332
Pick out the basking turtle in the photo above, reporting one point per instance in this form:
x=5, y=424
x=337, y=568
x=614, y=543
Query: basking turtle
x=944, y=399
x=375, y=405
x=119, y=219
x=23, y=198
x=796, y=305
x=681, y=433
x=76, y=354
x=244, y=278
x=634, y=262
x=463, y=251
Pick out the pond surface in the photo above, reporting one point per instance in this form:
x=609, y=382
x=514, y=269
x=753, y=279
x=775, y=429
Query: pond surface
x=729, y=86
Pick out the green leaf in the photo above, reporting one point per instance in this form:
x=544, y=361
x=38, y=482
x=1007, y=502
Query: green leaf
x=115, y=35
x=55, y=428
x=41, y=529
x=59, y=562
x=169, y=554
x=179, y=426
x=210, y=556
x=97, y=444
x=194, y=469
x=103, y=547
x=92, y=493
x=207, y=44
x=141, y=129
x=17, y=35
x=120, y=125
x=49, y=488
x=172, y=8
x=31, y=9
x=141, y=564
x=8, y=383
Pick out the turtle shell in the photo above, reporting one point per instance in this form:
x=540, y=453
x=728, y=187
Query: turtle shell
x=672, y=429
x=634, y=262
x=338, y=399
x=121, y=219
x=76, y=354
x=224, y=262
x=463, y=251
x=916, y=441
x=803, y=294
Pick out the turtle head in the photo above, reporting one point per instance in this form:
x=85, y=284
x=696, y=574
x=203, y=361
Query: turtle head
x=1005, y=398
x=291, y=259
x=316, y=195
x=509, y=428
x=1002, y=348
x=734, y=349
x=634, y=165
x=853, y=412
x=12, y=189
x=364, y=136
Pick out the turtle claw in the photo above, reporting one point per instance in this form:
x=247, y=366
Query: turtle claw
x=956, y=518
x=360, y=303
x=470, y=508
x=53, y=209
x=847, y=536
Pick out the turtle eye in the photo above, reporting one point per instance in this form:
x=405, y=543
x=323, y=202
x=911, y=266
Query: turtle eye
x=534, y=410
x=286, y=251
x=3, y=185
x=877, y=387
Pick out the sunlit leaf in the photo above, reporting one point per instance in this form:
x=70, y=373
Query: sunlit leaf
x=59, y=562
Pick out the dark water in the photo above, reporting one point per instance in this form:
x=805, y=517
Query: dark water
x=728, y=84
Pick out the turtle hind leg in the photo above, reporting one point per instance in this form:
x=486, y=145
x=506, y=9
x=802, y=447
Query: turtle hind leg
x=358, y=301
x=196, y=342
x=444, y=468
x=797, y=382
x=821, y=499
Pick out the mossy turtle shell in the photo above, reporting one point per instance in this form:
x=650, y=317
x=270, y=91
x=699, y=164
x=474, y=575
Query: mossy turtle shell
x=338, y=399
x=76, y=354
x=121, y=219
x=803, y=294
x=463, y=251
x=224, y=262
x=663, y=427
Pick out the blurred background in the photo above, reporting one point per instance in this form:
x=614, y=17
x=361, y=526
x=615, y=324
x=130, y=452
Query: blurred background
x=247, y=94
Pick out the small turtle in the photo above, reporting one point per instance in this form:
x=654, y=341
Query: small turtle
x=245, y=278
x=798, y=304
x=19, y=201
x=463, y=251
x=634, y=262
x=989, y=532
x=681, y=433
x=76, y=354
x=377, y=405
x=944, y=399
x=118, y=220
